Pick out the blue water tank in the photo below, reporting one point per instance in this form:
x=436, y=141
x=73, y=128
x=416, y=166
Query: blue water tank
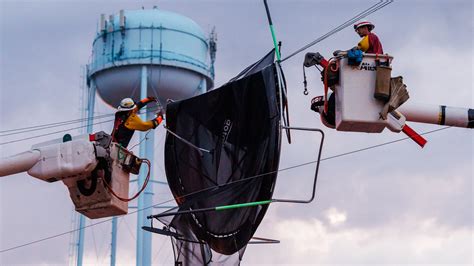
x=173, y=47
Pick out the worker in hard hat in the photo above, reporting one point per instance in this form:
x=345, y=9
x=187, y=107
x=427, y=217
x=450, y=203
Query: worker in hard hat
x=127, y=120
x=370, y=43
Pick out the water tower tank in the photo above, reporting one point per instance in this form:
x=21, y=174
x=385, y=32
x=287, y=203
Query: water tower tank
x=178, y=56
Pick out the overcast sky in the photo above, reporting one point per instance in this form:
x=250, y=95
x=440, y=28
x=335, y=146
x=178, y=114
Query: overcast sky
x=397, y=204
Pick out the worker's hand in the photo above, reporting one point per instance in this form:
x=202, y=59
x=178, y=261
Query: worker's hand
x=151, y=98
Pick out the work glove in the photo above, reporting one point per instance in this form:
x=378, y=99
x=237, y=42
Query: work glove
x=151, y=98
x=337, y=52
x=159, y=113
x=157, y=121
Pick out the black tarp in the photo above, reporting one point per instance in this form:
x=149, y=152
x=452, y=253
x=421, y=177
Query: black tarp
x=240, y=124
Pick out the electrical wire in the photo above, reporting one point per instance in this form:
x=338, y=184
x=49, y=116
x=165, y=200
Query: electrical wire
x=379, y=5
x=60, y=131
x=57, y=124
x=142, y=140
x=347, y=23
x=84, y=227
x=51, y=133
x=46, y=126
x=95, y=244
x=147, y=162
x=245, y=179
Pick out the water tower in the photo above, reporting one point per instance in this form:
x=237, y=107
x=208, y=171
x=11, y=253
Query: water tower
x=147, y=52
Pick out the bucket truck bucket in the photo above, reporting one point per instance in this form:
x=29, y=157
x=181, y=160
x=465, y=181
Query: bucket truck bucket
x=357, y=109
x=92, y=197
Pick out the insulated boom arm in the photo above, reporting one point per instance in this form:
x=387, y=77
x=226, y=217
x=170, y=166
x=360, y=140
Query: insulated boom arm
x=19, y=163
x=438, y=114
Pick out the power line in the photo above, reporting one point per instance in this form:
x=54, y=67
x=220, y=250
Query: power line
x=52, y=133
x=381, y=4
x=72, y=231
x=51, y=125
x=55, y=123
x=210, y=188
x=65, y=130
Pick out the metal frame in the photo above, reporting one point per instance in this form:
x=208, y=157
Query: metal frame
x=317, y=166
x=261, y=240
x=256, y=203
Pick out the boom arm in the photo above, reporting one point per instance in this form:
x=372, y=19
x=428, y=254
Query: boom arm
x=19, y=163
x=438, y=114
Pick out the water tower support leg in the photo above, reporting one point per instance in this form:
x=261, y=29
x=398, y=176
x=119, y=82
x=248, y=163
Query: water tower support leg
x=113, y=244
x=144, y=201
x=82, y=218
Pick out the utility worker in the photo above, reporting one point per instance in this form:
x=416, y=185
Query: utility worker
x=127, y=120
x=370, y=43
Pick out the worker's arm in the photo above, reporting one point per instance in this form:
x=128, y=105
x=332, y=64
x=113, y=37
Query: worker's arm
x=375, y=44
x=145, y=101
x=134, y=122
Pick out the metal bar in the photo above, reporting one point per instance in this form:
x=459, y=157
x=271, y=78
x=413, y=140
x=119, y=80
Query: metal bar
x=154, y=207
x=89, y=128
x=113, y=244
x=281, y=86
x=199, y=150
x=261, y=240
x=242, y=205
x=272, y=30
x=317, y=166
x=218, y=208
x=141, y=176
x=165, y=214
x=148, y=195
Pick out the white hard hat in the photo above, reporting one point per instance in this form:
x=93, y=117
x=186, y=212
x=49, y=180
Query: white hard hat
x=364, y=23
x=126, y=104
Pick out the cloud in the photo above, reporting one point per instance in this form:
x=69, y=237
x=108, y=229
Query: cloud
x=311, y=241
x=335, y=217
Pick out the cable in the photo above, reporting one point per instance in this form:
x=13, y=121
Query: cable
x=87, y=226
x=95, y=244
x=138, y=193
x=56, y=124
x=245, y=179
x=381, y=4
x=51, y=133
x=59, y=131
x=143, y=139
x=347, y=23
